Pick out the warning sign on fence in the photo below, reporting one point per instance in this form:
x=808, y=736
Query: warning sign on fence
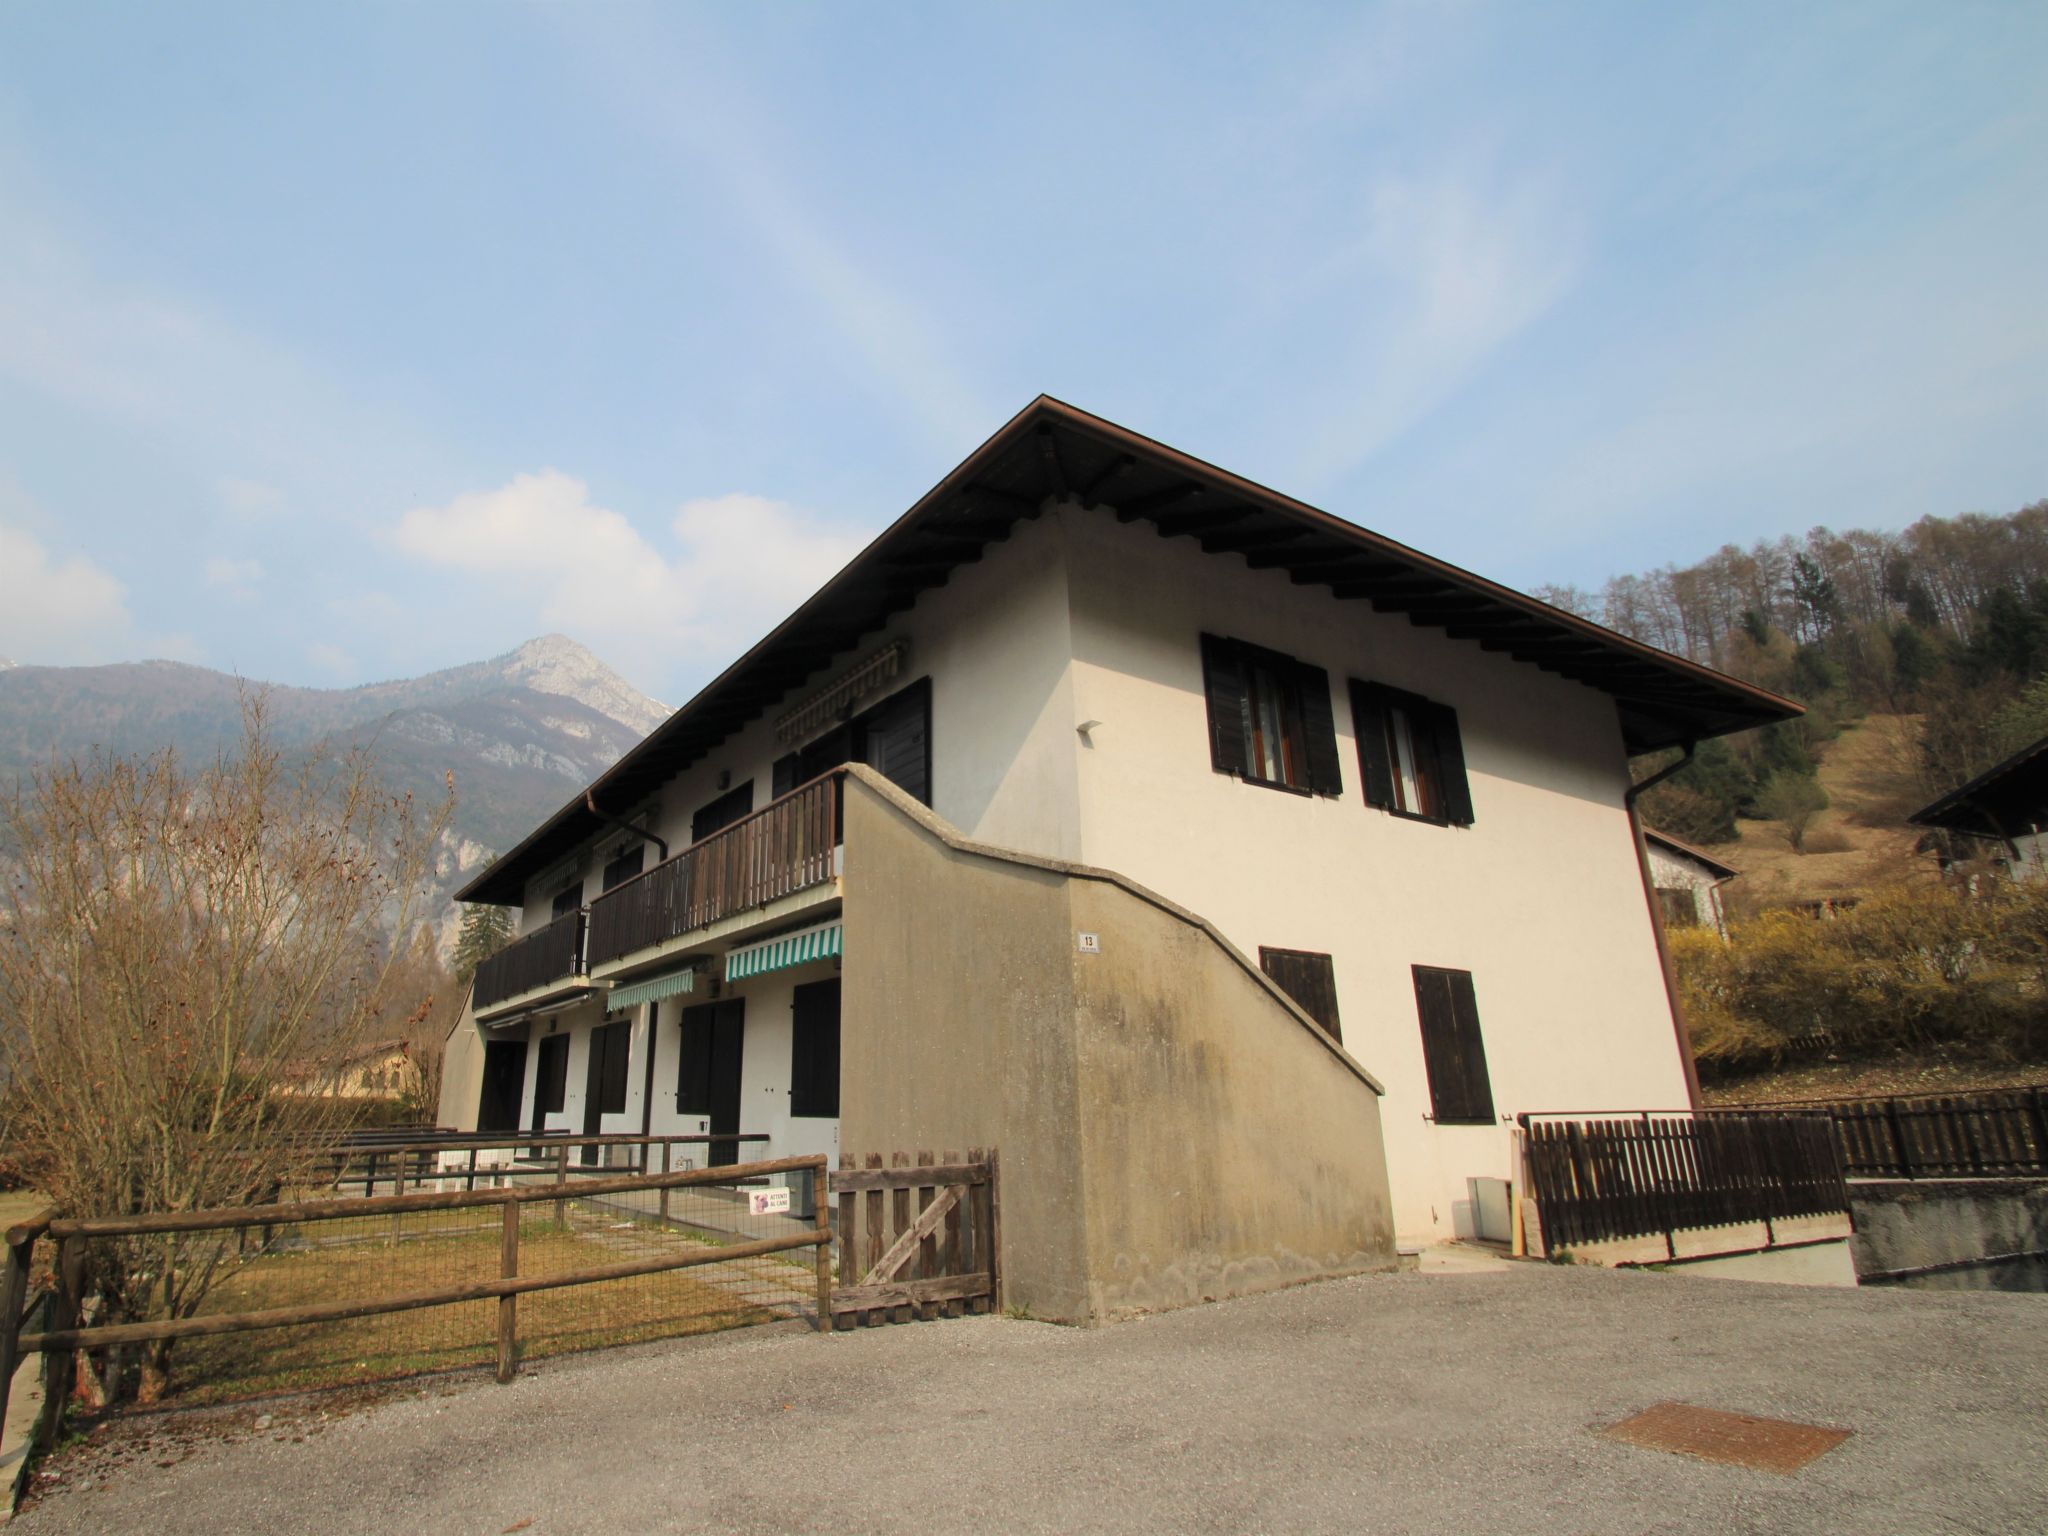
x=765, y=1202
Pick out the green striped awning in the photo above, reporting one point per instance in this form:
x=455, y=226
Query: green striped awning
x=653, y=989
x=779, y=954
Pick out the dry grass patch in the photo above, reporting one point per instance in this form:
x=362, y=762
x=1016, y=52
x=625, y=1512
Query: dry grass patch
x=333, y=1261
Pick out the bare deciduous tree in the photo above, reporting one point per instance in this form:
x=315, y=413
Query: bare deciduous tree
x=175, y=945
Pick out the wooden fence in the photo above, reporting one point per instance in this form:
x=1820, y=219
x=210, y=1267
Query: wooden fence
x=72, y=1235
x=1596, y=1180
x=401, y=1164
x=916, y=1239
x=1940, y=1136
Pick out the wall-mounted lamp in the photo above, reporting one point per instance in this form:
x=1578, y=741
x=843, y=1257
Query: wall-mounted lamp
x=1085, y=727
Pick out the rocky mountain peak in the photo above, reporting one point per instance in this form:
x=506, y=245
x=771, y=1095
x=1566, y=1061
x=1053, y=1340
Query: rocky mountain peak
x=556, y=664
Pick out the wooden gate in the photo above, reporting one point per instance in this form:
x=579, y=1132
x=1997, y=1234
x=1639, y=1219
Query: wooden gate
x=916, y=1239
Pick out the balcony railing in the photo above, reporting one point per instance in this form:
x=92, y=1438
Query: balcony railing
x=547, y=954
x=784, y=847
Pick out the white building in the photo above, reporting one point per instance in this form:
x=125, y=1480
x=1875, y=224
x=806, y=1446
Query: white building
x=1688, y=882
x=1402, y=788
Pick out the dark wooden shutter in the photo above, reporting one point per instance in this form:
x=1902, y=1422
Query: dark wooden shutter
x=551, y=1083
x=1319, y=726
x=1223, y=684
x=693, y=1065
x=1310, y=979
x=894, y=738
x=1460, y=1091
x=784, y=775
x=723, y=812
x=814, y=1050
x=567, y=900
x=1369, y=728
x=1449, y=749
x=616, y=1042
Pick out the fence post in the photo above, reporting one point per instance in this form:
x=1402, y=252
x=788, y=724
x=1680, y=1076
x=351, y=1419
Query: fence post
x=666, y=1148
x=13, y=1297
x=561, y=1181
x=508, y=1306
x=1905, y=1159
x=63, y=1363
x=821, y=1202
x=470, y=1186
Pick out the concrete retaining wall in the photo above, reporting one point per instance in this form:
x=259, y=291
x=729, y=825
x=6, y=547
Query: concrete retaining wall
x=1907, y=1225
x=1171, y=1127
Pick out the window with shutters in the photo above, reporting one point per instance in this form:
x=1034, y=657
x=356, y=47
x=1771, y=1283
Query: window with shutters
x=628, y=863
x=894, y=738
x=723, y=812
x=1452, y=1051
x=814, y=1050
x=567, y=900
x=1270, y=720
x=1410, y=755
x=1310, y=979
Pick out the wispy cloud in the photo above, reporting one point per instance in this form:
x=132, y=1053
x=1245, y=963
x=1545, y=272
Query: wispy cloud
x=238, y=578
x=694, y=107
x=732, y=566
x=1450, y=267
x=58, y=610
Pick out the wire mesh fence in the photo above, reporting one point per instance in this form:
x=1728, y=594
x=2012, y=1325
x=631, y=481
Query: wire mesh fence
x=358, y=1290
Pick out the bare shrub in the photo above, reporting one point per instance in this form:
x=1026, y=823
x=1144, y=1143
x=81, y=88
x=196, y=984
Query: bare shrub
x=1792, y=800
x=1827, y=840
x=1907, y=967
x=176, y=947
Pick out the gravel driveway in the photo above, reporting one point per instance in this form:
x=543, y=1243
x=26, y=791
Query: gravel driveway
x=1390, y=1403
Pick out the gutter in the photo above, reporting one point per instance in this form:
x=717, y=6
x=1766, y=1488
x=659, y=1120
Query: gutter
x=1629, y=797
x=661, y=844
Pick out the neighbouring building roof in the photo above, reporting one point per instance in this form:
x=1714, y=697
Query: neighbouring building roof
x=2008, y=799
x=1051, y=450
x=1686, y=850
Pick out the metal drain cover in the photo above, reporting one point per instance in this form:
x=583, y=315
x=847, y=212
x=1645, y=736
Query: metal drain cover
x=1739, y=1439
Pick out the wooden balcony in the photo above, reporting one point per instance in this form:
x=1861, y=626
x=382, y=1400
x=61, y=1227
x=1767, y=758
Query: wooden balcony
x=553, y=953
x=785, y=847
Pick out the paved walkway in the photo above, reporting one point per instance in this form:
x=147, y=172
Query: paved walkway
x=1421, y=1402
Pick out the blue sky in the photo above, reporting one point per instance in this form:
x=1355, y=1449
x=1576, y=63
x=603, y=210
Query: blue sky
x=340, y=343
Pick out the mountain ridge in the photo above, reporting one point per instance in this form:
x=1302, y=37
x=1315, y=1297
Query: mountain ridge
x=520, y=732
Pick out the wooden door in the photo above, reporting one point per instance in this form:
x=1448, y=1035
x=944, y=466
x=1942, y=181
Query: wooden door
x=728, y=1040
x=504, y=1085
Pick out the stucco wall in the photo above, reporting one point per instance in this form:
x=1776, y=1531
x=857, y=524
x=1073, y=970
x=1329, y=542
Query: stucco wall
x=1541, y=899
x=1673, y=871
x=1170, y=1128
x=995, y=644
x=462, y=1074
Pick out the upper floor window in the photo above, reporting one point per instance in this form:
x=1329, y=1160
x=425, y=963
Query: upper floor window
x=1270, y=720
x=627, y=863
x=716, y=815
x=1410, y=754
x=567, y=900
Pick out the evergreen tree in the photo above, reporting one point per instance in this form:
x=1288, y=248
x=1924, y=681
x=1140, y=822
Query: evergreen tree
x=485, y=931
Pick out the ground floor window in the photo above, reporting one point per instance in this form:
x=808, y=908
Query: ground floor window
x=1681, y=908
x=1459, y=1090
x=814, y=1050
x=1310, y=979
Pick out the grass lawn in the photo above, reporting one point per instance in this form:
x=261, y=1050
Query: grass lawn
x=338, y=1260
x=19, y=1205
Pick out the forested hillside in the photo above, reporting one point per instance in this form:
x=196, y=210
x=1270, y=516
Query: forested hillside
x=1946, y=621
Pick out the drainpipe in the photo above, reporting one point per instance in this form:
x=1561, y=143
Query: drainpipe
x=1629, y=797
x=590, y=805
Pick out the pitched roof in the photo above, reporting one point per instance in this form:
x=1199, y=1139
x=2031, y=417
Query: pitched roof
x=1687, y=850
x=1050, y=450
x=2007, y=799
